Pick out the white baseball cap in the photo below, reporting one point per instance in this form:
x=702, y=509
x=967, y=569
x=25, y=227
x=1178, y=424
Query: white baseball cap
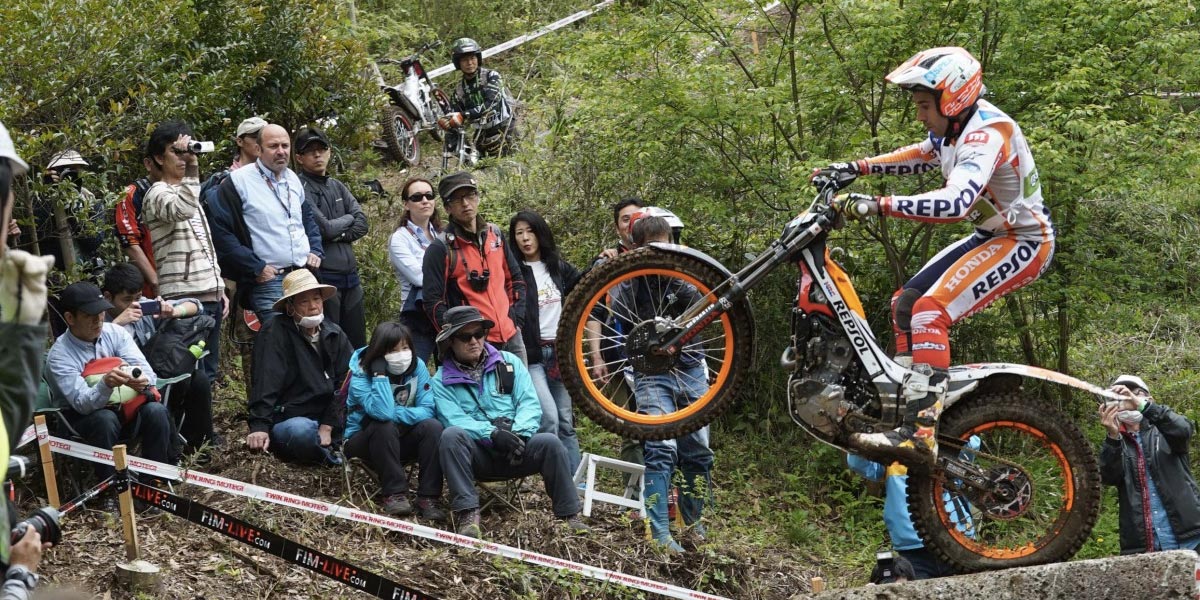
x=7, y=150
x=1132, y=381
x=251, y=125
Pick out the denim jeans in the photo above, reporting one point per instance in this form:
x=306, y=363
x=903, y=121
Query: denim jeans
x=263, y=297
x=516, y=345
x=557, y=417
x=296, y=439
x=213, y=344
x=422, y=333
x=464, y=460
x=669, y=392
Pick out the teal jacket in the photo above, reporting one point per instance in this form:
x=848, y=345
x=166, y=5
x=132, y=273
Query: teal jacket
x=373, y=396
x=461, y=402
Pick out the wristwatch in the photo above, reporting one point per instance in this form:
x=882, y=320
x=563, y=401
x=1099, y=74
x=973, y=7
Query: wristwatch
x=22, y=574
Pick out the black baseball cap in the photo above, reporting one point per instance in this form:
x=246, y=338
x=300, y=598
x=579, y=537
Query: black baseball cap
x=84, y=297
x=454, y=182
x=308, y=135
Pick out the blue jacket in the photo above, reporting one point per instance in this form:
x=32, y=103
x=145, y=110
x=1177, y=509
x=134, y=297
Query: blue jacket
x=461, y=402
x=895, y=503
x=372, y=396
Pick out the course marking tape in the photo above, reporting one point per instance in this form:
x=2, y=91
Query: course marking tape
x=517, y=41
x=248, y=490
x=26, y=436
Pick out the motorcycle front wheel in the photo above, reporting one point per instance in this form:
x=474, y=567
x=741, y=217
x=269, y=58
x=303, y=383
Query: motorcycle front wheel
x=1045, y=492
x=598, y=321
x=400, y=135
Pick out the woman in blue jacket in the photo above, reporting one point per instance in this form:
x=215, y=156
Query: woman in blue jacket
x=389, y=420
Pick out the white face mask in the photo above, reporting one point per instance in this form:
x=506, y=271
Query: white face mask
x=398, y=362
x=1129, y=417
x=313, y=321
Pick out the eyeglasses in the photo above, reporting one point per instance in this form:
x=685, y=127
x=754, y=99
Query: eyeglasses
x=468, y=197
x=421, y=197
x=475, y=335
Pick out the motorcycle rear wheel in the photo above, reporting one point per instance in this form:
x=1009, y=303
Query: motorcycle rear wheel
x=725, y=346
x=400, y=135
x=1037, y=454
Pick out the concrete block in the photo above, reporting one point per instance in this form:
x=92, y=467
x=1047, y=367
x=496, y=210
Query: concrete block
x=1161, y=575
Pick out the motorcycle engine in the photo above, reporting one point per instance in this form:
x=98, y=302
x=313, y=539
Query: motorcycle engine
x=824, y=387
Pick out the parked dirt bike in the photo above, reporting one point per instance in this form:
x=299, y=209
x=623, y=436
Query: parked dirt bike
x=1031, y=491
x=415, y=106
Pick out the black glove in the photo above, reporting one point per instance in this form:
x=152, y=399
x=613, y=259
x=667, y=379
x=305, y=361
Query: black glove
x=506, y=442
x=837, y=168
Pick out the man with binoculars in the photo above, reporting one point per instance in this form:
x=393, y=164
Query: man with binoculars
x=472, y=264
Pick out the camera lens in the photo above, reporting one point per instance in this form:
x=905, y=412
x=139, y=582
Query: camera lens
x=44, y=521
x=200, y=147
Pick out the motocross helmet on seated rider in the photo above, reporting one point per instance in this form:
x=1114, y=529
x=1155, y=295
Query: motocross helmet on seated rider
x=990, y=180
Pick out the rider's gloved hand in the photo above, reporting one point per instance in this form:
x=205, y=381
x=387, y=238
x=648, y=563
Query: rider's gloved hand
x=856, y=206
x=451, y=120
x=837, y=168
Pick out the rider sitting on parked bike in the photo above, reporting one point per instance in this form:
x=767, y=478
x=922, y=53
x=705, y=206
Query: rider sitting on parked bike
x=992, y=182
x=481, y=99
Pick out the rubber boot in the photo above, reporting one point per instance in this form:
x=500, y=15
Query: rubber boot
x=693, y=495
x=658, y=485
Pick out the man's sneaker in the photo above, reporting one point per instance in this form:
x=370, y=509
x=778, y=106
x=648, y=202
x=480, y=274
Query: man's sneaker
x=575, y=524
x=428, y=509
x=397, y=505
x=468, y=523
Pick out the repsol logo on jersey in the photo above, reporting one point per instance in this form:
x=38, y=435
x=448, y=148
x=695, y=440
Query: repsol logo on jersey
x=1007, y=269
x=940, y=207
x=973, y=263
x=899, y=169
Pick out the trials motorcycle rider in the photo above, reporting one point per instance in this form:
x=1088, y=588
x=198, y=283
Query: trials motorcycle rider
x=991, y=181
x=480, y=98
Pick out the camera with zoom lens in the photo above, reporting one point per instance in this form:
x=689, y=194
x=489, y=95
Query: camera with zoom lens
x=44, y=521
x=200, y=147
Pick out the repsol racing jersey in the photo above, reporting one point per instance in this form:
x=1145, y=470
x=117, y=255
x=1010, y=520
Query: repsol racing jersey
x=991, y=179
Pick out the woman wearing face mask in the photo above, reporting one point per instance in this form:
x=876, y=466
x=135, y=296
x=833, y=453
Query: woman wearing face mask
x=389, y=420
x=548, y=280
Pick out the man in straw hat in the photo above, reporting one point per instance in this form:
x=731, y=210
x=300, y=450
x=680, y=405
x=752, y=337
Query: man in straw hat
x=299, y=361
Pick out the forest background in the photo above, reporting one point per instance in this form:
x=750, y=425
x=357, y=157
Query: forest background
x=717, y=111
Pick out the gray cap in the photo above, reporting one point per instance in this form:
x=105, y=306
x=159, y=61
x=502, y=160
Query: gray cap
x=9, y=151
x=454, y=182
x=251, y=125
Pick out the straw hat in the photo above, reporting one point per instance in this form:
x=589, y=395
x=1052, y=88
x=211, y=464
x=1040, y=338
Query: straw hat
x=300, y=281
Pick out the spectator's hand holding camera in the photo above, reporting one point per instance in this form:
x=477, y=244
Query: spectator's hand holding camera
x=181, y=148
x=28, y=551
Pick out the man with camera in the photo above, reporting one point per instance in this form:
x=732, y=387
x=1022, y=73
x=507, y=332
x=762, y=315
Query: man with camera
x=22, y=304
x=485, y=399
x=473, y=264
x=184, y=255
x=263, y=229
x=1145, y=455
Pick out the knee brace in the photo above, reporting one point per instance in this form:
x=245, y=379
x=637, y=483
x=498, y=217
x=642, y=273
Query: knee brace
x=902, y=308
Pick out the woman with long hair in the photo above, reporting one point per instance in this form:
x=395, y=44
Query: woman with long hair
x=419, y=226
x=548, y=280
x=389, y=420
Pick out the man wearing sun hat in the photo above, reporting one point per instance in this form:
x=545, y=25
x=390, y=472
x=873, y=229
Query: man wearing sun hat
x=1145, y=455
x=300, y=359
x=491, y=413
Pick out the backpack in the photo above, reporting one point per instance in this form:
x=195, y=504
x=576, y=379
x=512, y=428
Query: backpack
x=452, y=250
x=169, y=351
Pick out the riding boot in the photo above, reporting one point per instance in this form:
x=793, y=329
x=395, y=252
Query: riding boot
x=657, y=487
x=693, y=495
x=918, y=431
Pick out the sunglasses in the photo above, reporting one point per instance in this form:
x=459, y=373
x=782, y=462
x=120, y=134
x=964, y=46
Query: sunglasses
x=421, y=196
x=477, y=335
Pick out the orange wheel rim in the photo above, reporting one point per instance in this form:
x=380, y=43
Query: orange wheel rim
x=1027, y=548
x=722, y=374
